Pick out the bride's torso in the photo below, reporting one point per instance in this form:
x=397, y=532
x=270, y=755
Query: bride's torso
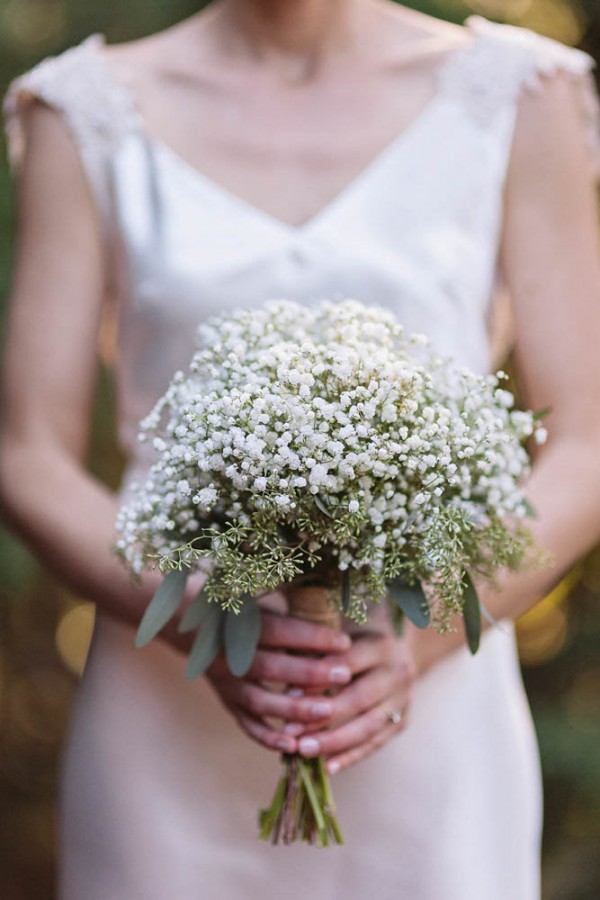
x=414, y=225
x=206, y=225
x=154, y=757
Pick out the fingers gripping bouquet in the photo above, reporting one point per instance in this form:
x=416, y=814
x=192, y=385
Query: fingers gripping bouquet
x=321, y=452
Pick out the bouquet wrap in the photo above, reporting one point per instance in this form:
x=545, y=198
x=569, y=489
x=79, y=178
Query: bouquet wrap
x=313, y=604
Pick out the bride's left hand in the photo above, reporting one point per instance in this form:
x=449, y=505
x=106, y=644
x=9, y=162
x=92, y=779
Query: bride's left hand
x=372, y=709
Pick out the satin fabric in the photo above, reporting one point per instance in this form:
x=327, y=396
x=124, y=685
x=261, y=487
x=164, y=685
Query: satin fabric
x=160, y=788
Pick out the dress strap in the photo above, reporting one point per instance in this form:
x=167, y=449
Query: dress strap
x=505, y=60
x=96, y=110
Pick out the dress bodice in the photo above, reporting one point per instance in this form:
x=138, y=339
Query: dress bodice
x=417, y=230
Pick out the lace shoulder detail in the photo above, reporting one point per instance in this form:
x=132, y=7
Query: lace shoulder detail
x=505, y=60
x=538, y=54
x=97, y=111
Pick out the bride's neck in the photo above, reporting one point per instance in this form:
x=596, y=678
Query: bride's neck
x=291, y=31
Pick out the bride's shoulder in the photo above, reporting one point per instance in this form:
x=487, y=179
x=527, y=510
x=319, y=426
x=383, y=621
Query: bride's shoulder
x=75, y=83
x=495, y=62
x=55, y=74
x=533, y=53
x=91, y=74
x=549, y=84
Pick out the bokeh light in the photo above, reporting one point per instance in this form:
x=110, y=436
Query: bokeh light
x=73, y=635
x=34, y=25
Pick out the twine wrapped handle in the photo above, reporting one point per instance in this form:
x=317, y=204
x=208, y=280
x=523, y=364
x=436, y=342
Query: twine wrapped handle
x=313, y=604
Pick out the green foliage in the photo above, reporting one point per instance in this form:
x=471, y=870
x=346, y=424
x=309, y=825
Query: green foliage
x=247, y=562
x=410, y=600
x=208, y=642
x=163, y=606
x=302, y=807
x=195, y=613
x=471, y=613
x=242, y=631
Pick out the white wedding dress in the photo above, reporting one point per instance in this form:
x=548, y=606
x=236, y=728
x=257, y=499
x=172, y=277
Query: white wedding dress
x=161, y=789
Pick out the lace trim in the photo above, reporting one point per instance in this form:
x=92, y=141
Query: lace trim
x=97, y=112
x=500, y=61
x=506, y=59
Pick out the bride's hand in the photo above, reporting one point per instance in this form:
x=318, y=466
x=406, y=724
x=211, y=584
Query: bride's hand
x=372, y=709
x=254, y=701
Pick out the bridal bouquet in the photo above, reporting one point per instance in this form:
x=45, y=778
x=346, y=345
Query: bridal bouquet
x=322, y=452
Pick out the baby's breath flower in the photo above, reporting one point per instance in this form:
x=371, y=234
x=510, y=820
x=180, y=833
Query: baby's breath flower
x=323, y=435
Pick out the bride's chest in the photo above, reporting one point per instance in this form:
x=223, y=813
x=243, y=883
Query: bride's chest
x=416, y=231
x=290, y=152
x=432, y=192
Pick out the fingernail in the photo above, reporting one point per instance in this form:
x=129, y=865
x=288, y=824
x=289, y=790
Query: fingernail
x=295, y=692
x=321, y=708
x=309, y=746
x=285, y=744
x=293, y=728
x=339, y=674
x=333, y=767
x=342, y=642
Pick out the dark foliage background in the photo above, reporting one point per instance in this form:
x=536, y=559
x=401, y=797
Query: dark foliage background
x=44, y=631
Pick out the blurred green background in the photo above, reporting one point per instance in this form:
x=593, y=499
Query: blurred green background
x=44, y=631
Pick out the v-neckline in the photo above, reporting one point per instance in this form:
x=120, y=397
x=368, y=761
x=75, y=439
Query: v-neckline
x=198, y=177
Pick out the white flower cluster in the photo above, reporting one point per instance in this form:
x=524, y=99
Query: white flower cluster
x=330, y=423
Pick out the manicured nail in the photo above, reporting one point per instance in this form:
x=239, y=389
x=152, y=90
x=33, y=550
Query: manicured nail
x=309, y=746
x=333, y=767
x=285, y=744
x=293, y=728
x=342, y=642
x=339, y=674
x=295, y=692
x=321, y=708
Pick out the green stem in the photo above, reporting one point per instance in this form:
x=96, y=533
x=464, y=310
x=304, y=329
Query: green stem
x=313, y=800
x=328, y=802
x=302, y=806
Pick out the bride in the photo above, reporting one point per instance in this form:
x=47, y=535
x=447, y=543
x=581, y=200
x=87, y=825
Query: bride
x=301, y=149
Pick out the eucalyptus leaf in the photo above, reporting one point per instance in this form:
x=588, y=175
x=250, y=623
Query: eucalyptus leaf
x=346, y=590
x=195, y=613
x=529, y=509
x=208, y=642
x=471, y=613
x=242, y=631
x=322, y=506
x=162, y=607
x=411, y=600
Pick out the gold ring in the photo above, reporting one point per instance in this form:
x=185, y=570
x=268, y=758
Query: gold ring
x=394, y=716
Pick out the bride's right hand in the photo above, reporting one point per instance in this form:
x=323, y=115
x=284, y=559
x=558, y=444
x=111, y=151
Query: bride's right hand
x=254, y=699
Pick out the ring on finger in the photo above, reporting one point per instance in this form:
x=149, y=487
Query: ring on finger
x=393, y=716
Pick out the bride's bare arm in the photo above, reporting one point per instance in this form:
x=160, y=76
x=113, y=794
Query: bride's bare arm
x=65, y=515
x=49, y=373
x=550, y=255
